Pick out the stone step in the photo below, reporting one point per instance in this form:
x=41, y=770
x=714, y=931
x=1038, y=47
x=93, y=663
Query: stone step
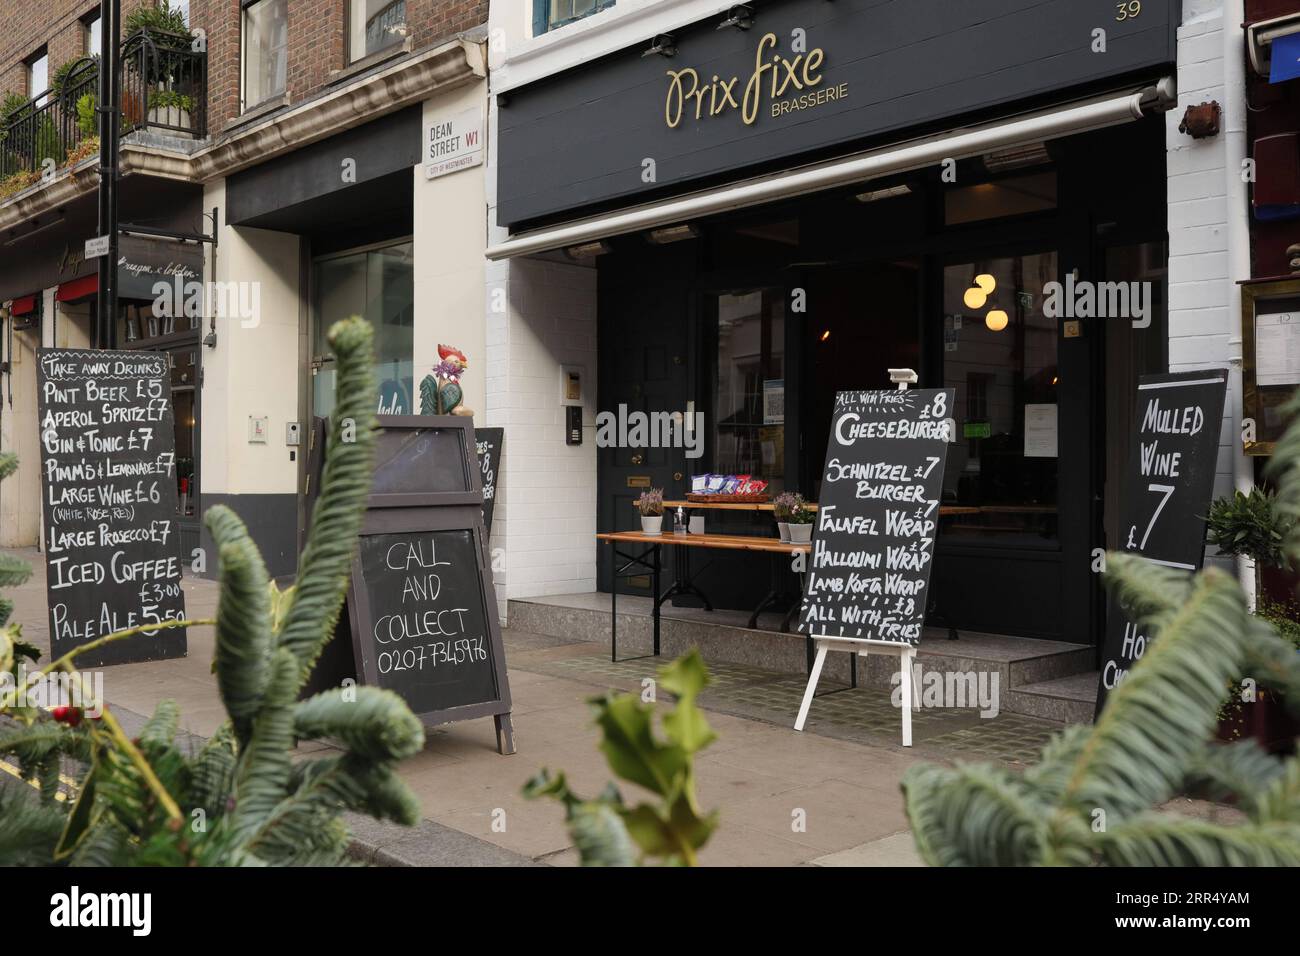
x=724, y=636
x=1070, y=700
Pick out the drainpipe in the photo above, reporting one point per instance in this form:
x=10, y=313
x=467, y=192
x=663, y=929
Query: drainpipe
x=1238, y=238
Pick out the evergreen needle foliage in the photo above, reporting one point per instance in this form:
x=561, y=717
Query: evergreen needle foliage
x=241, y=799
x=1092, y=798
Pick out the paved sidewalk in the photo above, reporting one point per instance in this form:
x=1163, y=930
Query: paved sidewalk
x=829, y=796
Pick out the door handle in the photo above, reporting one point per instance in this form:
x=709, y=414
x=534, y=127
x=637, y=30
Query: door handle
x=638, y=458
x=677, y=476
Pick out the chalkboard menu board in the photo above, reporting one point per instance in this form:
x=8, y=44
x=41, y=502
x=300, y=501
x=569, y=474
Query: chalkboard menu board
x=108, y=480
x=873, y=540
x=428, y=636
x=489, y=442
x=1165, y=494
x=421, y=603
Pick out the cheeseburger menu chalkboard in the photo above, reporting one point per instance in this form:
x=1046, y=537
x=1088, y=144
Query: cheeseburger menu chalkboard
x=1165, y=494
x=878, y=514
x=108, y=480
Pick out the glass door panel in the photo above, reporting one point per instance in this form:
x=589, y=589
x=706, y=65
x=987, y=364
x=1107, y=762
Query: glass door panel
x=379, y=285
x=1000, y=354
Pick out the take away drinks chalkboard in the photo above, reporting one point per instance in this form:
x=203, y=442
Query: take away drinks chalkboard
x=421, y=603
x=1165, y=493
x=873, y=541
x=108, y=481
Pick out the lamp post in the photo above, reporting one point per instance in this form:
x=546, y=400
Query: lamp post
x=109, y=127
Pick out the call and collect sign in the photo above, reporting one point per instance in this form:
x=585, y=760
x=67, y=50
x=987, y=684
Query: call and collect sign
x=453, y=143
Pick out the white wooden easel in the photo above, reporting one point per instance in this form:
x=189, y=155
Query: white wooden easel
x=906, y=653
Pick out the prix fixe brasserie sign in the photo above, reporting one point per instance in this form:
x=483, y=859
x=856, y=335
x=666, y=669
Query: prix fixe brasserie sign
x=779, y=83
x=810, y=78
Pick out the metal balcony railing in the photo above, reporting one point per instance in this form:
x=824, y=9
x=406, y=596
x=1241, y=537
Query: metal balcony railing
x=164, y=88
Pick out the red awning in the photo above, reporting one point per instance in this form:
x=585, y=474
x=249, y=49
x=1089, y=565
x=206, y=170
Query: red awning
x=24, y=306
x=77, y=289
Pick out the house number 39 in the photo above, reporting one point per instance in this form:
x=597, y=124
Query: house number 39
x=1128, y=11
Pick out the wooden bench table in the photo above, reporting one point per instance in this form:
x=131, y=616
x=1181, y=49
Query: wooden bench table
x=649, y=560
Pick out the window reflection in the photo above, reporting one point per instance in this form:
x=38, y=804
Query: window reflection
x=1000, y=356
x=749, y=408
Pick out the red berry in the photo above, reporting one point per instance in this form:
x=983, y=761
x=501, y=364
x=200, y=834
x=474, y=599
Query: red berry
x=60, y=713
x=74, y=716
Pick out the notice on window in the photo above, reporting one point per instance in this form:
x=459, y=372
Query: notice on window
x=773, y=401
x=1040, y=431
x=1277, y=348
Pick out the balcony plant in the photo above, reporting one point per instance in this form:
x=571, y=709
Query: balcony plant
x=170, y=108
x=651, y=506
x=801, y=524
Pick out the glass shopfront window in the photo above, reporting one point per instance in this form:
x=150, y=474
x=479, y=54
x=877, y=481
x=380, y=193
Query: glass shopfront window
x=749, y=397
x=1000, y=356
x=378, y=284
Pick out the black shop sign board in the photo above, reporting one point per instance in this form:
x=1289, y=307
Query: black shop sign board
x=1165, y=495
x=421, y=604
x=873, y=540
x=108, y=483
x=810, y=79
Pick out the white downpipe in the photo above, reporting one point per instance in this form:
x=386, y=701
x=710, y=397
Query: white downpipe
x=844, y=172
x=1238, y=237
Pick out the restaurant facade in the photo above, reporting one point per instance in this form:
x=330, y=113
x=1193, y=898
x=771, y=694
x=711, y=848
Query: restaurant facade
x=729, y=212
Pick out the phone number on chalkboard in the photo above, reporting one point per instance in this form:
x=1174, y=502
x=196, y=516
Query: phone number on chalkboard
x=468, y=650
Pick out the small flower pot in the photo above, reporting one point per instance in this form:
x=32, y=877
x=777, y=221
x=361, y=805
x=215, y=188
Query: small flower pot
x=800, y=533
x=652, y=524
x=784, y=528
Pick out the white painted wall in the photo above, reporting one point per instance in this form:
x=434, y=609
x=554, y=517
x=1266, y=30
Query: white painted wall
x=252, y=371
x=450, y=236
x=1199, y=326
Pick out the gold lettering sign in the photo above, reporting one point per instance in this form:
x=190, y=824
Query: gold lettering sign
x=785, y=81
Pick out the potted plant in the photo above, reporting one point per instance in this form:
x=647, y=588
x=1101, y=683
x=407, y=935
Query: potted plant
x=651, y=505
x=801, y=524
x=172, y=109
x=1251, y=525
x=785, y=503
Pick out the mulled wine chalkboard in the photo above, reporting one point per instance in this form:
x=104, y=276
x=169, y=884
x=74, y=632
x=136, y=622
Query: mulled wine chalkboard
x=108, y=480
x=873, y=540
x=489, y=442
x=1165, y=494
